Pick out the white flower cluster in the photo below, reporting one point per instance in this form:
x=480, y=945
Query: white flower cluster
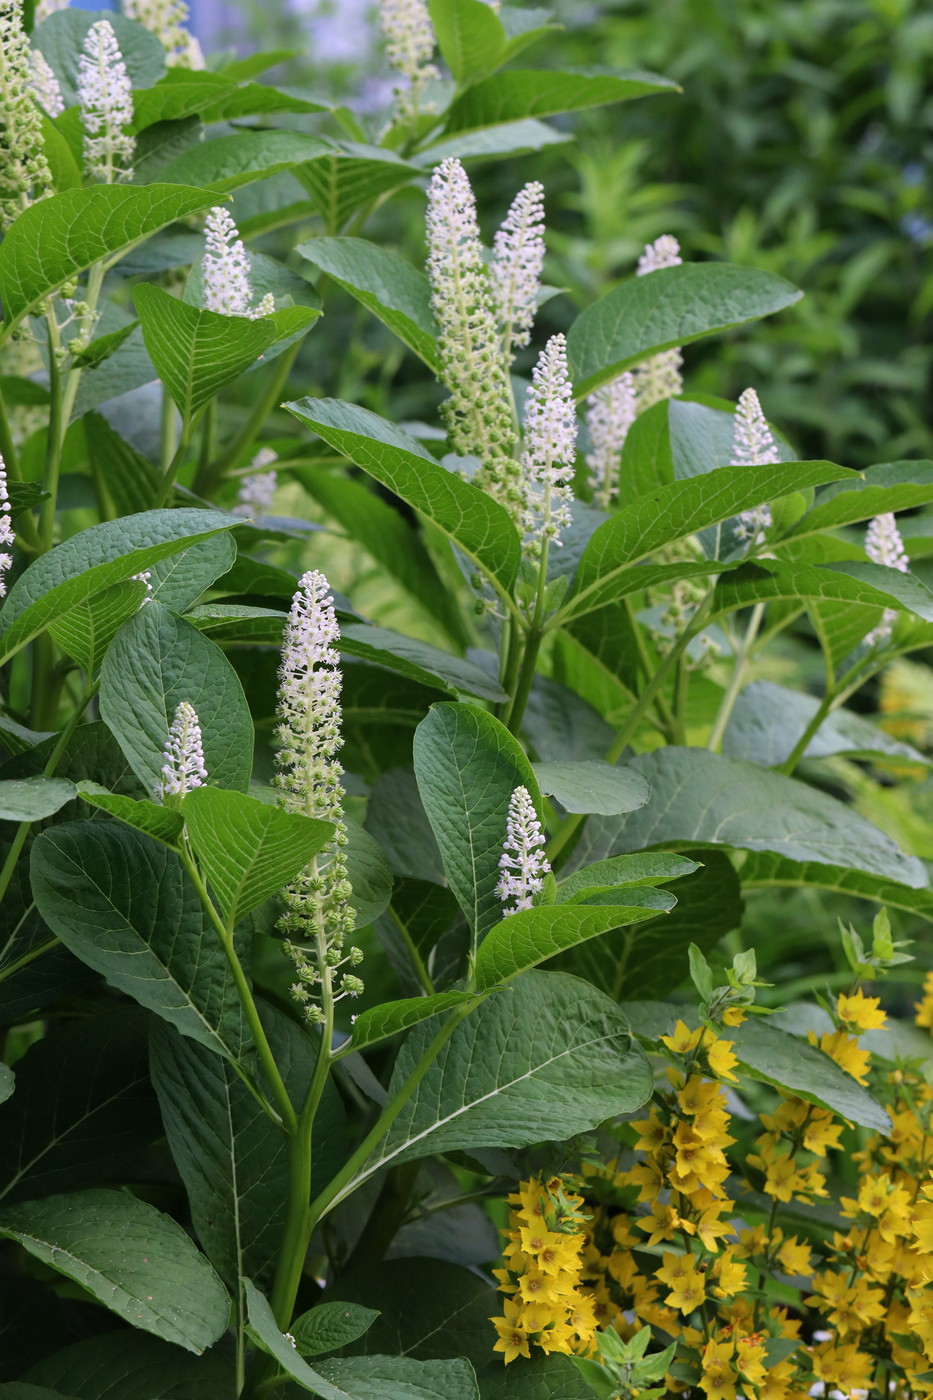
x=515, y=269
x=317, y=907
x=610, y=412
x=523, y=863
x=257, y=490
x=7, y=535
x=45, y=85
x=105, y=98
x=659, y=377
x=406, y=25
x=225, y=267
x=183, y=767
x=44, y=8
x=24, y=171
x=550, y=448
x=883, y=545
x=168, y=21
x=478, y=413
x=752, y=446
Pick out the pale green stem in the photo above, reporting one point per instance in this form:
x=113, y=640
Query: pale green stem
x=736, y=680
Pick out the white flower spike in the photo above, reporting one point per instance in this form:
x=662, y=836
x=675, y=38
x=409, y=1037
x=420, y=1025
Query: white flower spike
x=183, y=767
x=515, y=270
x=45, y=85
x=610, y=412
x=257, y=490
x=225, y=269
x=24, y=171
x=550, y=448
x=753, y=445
x=883, y=545
x=523, y=863
x=406, y=25
x=105, y=98
x=44, y=8
x=659, y=377
x=7, y=535
x=168, y=20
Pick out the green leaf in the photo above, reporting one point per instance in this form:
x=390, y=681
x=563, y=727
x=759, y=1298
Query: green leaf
x=593, y=787
x=468, y=765
x=136, y=1261
x=22, y=1390
x=181, y=92
x=59, y=237
x=540, y=92
x=228, y=162
x=32, y=799
x=765, y=870
x=531, y=936
x=368, y=873
x=180, y=580
x=83, y=1107
x=197, y=352
x=470, y=36
x=151, y=818
x=542, y=1378
x=418, y=660
x=105, y=1368
x=674, y=306
x=64, y=167
x=401, y=1377
x=644, y=868
x=849, y=582
x=350, y=178
x=548, y=1050
x=122, y=903
x=699, y=798
x=7, y=1082
x=104, y=346
x=60, y=39
x=672, y=513
x=480, y=526
x=264, y=1331
x=490, y=142
x=156, y=661
x=93, y=560
x=86, y=631
x=384, y=283
x=769, y=719
x=391, y=1017
x=331, y=1325
x=889, y=486
x=247, y=849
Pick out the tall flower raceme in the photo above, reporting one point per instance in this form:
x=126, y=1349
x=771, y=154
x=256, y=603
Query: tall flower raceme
x=515, y=269
x=183, y=767
x=317, y=904
x=257, y=490
x=45, y=85
x=45, y=8
x=24, y=171
x=523, y=864
x=610, y=412
x=105, y=98
x=478, y=414
x=883, y=545
x=550, y=448
x=7, y=535
x=659, y=377
x=409, y=36
x=225, y=270
x=752, y=446
x=168, y=21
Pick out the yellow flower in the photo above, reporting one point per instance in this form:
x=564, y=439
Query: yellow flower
x=685, y=1281
x=718, y=1375
x=662, y=1222
x=729, y=1274
x=845, y=1050
x=721, y=1060
x=682, y=1041
x=843, y=1365
x=733, y=1016
x=513, y=1339
x=794, y=1257
x=750, y=1358
x=859, y=1012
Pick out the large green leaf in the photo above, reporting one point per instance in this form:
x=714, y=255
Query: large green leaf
x=645, y=868
x=889, y=486
x=391, y=1017
x=699, y=798
x=164, y=823
x=156, y=661
x=181, y=579
x=674, y=306
x=542, y=92
x=132, y=1258
x=247, y=849
x=105, y=1368
x=227, y=162
x=673, y=512
x=384, y=283
x=93, y=560
x=468, y=765
x=766, y=870
x=548, y=1050
x=329, y=1326
x=86, y=630
x=197, y=352
x=419, y=660
x=540, y=1378
x=350, y=177
x=591, y=786
x=59, y=237
x=853, y=583
x=185, y=92
x=470, y=36
x=531, y=936
x=480, y=526
x=493, y=142
x=401, y=1377
x=83, y=1107
x=122, y=903
x=32, y=799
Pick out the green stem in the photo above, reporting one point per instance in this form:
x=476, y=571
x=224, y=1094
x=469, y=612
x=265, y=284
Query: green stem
x=638, y=632
x=55, y=438
x=802, y=744
x=168, y=481
x=516, y=710
x=736, y=680
x=211, y=473
x=168, y=436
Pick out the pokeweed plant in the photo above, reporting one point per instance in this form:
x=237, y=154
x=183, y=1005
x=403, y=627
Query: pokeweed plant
x=276, y=1030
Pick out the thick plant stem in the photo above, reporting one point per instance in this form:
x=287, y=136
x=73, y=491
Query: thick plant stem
x=210, y=473
x=516, y=711
x=737, y=679
x=297, y=1232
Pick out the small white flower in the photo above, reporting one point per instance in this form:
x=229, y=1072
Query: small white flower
x=257, y=490
x=550, y=447
x=663, y=252
x=610, y=412
x=146, y=578
x=44, y=8
x=517, y=260
x=659, y=377
x=167, y=20
x=409, y=37
x=883, y=545
x=45, y=84
x=105, y=97
x=183, y=767
x=523, y=863
x=7, y=536
x=24, y=171
x=225, y=269
x=753, y=445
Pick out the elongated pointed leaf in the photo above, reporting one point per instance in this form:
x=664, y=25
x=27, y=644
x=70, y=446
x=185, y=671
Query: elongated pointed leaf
x=470, y=36
x=331, y=1325
x=856, y=584
x=104, y=1368
x=673, y=306
x=889, y=486
x=391, y=1017
x=86, y=630
x=539, y=92
x=151, y=818
x=767, y=870
x=479, y=525
x=644, y=868
x=533, y=935
x=228, y=162
x=135, y=1260
x=350, y=177
x=57, y=238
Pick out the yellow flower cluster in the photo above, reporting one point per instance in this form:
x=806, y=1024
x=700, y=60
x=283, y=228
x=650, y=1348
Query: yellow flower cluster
x=545, y=1302
x=758, y=1311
